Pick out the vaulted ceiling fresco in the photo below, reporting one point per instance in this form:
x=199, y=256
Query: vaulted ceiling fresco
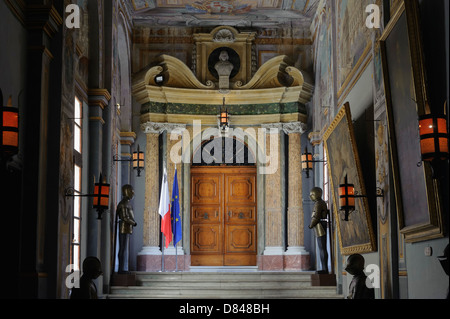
x=248, y=13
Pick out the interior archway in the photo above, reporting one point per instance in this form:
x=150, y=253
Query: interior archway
x=222, y=150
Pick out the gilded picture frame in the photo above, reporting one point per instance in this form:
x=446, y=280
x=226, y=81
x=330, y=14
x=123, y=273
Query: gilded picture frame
x=355, y=235
x=416, y=193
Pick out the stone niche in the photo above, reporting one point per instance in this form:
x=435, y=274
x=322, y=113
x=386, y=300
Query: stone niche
x=239, y=46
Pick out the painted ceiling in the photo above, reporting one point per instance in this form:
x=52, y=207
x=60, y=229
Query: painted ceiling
x=250, y=13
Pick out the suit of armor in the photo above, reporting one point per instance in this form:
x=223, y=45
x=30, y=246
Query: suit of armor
x=319, y=224
x=126, y=224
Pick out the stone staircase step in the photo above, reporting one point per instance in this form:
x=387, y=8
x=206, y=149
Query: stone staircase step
x=222, y=278
x=217, y=269
x=223, y=285
x=223, y=293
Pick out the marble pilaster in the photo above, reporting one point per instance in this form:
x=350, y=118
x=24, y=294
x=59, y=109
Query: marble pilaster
x=272, y=258
x=296, y=257
x=149, y=259
x=150, y=256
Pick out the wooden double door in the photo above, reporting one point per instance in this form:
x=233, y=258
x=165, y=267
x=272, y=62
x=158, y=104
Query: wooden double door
x=223, y=216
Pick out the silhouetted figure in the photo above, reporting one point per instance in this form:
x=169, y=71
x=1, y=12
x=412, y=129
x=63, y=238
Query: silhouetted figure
x=358, y=288
x=319, y=223
x=92, y=269
x=126, y=216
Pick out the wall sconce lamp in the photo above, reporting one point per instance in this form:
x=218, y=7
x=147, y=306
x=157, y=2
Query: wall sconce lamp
x=347, y=196
x=9, y=129
x=307, y=162
x=101, y=195
x=224, y=118
x=137, y=159
x=433, y=140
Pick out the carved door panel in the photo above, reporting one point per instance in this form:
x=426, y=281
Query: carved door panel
x=206, y=219
x=240, y=219
x=223, y=216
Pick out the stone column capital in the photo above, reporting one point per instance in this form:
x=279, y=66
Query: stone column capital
x=159, y=128
x=288, y=128
x=295, y=127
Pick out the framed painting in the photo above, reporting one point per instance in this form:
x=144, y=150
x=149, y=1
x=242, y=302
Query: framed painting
x=416, y=193
x=353, y=43
x=355, y=235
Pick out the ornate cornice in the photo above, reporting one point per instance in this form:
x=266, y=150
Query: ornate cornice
x=274, y=82
x=44, y=17
x=274, y=73
x=217, y=35
x=17, y=7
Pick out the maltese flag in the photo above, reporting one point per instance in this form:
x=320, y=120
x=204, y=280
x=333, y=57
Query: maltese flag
x=164, y=210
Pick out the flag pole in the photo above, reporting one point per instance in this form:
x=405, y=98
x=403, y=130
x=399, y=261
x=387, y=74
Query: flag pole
x=176, y=259
x=162, y=260
x=176, y=250
x=162, y=234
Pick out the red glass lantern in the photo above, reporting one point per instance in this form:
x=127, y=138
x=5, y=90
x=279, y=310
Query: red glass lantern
x=433, y=137
x=9, y=129
x=101, y=196
x=347, y=198
x=223, y=118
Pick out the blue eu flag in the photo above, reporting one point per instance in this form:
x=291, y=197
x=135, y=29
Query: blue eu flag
x=176, y=218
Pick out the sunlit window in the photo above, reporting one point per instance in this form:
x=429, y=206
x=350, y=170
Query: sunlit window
x=77, y=184
x=78, y=126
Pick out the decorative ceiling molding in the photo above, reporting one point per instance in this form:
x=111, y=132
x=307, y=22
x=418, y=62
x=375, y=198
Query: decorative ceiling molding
x=248, y=13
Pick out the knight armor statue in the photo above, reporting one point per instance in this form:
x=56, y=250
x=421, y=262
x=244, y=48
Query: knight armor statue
x=126, y=224
x=319, y=224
